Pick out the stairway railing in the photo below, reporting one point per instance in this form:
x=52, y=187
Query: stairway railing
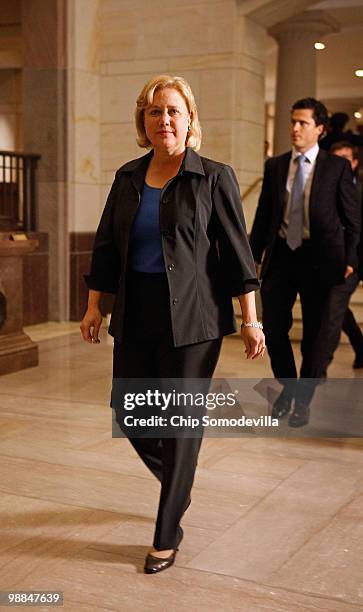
x=18, y=191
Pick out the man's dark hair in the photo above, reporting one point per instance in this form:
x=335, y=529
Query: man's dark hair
x=320, y=113
x=342, y=144
x=338, y=121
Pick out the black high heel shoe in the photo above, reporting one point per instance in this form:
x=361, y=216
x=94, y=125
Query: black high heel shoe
x=153, y=565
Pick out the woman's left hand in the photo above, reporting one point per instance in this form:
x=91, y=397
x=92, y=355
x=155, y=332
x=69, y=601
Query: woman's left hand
x=254, y=341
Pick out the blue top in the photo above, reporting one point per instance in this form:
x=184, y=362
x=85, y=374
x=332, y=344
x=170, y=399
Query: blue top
x=145, y=246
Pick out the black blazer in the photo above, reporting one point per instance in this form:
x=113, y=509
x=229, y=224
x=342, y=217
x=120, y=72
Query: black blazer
x=333, y=215
x=206, y=251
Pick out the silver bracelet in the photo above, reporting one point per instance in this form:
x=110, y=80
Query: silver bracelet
x=256, y=324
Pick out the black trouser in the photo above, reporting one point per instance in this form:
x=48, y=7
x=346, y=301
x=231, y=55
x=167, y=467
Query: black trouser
x=353, y=331
x=291, y=273
x=334, y=316
x=147, y=351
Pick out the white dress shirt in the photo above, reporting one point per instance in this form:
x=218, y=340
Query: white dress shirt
x=308, y=170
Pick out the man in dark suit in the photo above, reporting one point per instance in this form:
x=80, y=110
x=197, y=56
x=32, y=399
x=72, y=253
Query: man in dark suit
x=350, y=326
x=307, y=227
x=337, y=314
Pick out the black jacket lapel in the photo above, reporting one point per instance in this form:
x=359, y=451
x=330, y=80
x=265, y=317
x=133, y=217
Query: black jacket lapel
x=317, y=182
x=139, y=172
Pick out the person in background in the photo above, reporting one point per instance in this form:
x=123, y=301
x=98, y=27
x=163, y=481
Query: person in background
x=338, y=315
x=172, y=245
x=307, y=198
x=336, y=133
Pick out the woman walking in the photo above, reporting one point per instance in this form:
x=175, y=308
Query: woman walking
x=172, y=246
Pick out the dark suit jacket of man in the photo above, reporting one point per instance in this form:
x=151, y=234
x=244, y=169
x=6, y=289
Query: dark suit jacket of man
x=333, y=215
x=356, y=140
x=359, y=185
x=206, y=250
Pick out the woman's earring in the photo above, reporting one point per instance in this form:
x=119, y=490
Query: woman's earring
x=188, y=128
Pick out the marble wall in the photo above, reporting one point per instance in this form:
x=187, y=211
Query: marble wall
x=113, y=48
x=11, y=47
x=73, y=70
x=11, y=114
x=83, y=124
x=218, y=50
x=11, y=60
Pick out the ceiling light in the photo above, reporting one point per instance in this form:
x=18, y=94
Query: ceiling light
x=319, y=46
x=358, y=115
x=359, y=73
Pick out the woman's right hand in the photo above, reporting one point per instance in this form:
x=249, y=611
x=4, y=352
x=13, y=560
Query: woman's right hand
x=90, y=325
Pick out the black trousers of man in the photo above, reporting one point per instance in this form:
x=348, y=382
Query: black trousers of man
x=353, y=331
x=334, y=316
x=147, y=352
x=291, y=273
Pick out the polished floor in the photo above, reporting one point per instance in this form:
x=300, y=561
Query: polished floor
x=275, y=524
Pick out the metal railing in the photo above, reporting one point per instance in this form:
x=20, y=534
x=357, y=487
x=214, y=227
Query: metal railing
x=18, y=191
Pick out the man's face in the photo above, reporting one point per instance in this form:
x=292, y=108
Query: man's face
x=347, y=153
x=304, y=131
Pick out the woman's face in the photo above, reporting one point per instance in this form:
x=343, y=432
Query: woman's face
x=166, y=121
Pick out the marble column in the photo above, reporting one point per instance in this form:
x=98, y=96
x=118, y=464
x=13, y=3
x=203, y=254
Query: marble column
x=85, y=202
x=296, y=71
x=45, y=116
x=248, y=111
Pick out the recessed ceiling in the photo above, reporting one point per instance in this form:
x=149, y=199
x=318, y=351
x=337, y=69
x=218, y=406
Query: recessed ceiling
x=338, y=61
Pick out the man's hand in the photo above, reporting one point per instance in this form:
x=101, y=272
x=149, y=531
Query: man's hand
x=348, y=271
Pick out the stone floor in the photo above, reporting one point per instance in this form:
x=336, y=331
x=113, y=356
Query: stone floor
x=275, y=524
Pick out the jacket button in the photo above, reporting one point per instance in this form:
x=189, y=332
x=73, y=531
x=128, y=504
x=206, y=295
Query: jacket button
x=165, y=200
x=171, y=266
x=175, y=301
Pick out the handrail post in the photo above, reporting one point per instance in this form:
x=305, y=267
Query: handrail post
x=33, y=196
x=26, y=194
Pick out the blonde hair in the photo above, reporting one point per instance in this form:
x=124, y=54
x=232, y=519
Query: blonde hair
x=194, y=136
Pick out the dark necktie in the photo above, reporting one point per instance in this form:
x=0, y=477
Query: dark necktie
x=296, y=215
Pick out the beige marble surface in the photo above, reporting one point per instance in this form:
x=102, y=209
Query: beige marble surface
x=85, y=16
x=124, y=32
x=51, y=329
x=114, y=49
x=83, y=115
x=224, y=64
